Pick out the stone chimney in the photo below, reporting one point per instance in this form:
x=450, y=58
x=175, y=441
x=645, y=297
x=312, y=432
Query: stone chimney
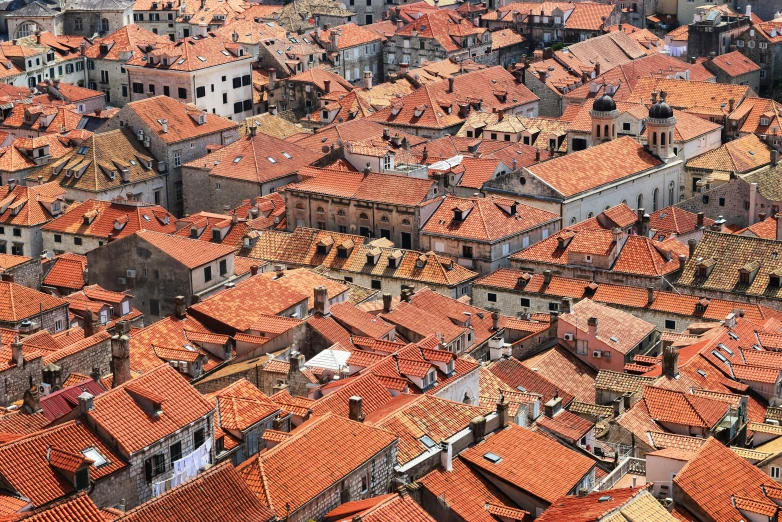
x=649, y=295
x=691, y=244
x=502, y=410
x=451, y=81
x=322, y=306
x=86, y=402
x=89, y=323
x=120, y=355
x=552, y=407
x=592, y=326
x=17, y=352
x=700, y=220
x=180, y=310
x=334, y=41
x=327, y=86
x=272, y=77
x=294, y=361
x=618, y=405
x=682, y=262
x=546, y=277
x=478, y=428
x=52, y=375
x=495, y=321
x=95, y=374
x=774, y=157
x=400, y=24
x=671, y=362
x=778, y=217
x=31, y=402
x=356, y=412
x=387, y=300
x=367, y=79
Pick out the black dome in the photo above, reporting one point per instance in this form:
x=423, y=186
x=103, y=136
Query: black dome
x=661, y=111
x=604, y=104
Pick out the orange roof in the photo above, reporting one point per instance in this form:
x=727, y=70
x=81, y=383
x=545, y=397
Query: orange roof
x=18, y=302
x=445, y=26
x=742, y=155
x=118, y=413
x=466, y=491
x=697, y=97
x=560, y=366
x=619, y=330
x=350, y=35
x=204, y=498
x=646, y=257
x=130, y=38
x=674, y=407
x=513, y=373
x=318, y=77
x=25, y=468
x=589, y=16
x=382, y=188
x=715, y=476
x=104, y=216
x=325, y=450
x=78, y=507
x=533, y=463
x=181, y=123
x=485, y=219
x=189, y=252
x=594, y=167
x=241, y=405
x=304, y=280
x=592, y=507
x=733, y=64
x=675, y=220
x=386, y=508
x=188, y=54
x=23, y=206
x=373, y=393
x=360, y=322
x=67, y=272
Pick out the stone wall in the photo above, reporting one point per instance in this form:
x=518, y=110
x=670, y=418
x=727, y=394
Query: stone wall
x=96, y=356
x=29, y=274
x=14, y=380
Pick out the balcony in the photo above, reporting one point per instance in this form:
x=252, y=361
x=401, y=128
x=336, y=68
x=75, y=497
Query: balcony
x=630, y=472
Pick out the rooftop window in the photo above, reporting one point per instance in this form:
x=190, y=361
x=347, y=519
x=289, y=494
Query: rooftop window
x=493, y=458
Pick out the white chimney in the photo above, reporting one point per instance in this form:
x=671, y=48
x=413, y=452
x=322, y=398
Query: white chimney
x=446, y=456
x=164, y=123
x=749, y=10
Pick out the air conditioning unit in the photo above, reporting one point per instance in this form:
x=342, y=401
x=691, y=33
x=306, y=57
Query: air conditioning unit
x=772, y=421
x=569, y=337
x=173, y=364
x=122, y=281
x=183, y=367
x=44, y=389
x=597, y=354
x=607, y=354
x=131, y=273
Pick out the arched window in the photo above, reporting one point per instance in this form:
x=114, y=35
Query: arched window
x=340, y=212
x=640, y=201
x=607, y=207
x=26, y=29
x=670, y=138
x=104, y=25
x=654, y=138
x=613, y=130
x=363, y=216
x=300, y=205
x=670, y=193
x=384, y=219
x=573, y=220
x=605, y=132
x=320, y=210
x=406, y=222
x=654, y=199
x=590, y=215
x=598, y=131
x=662, y=139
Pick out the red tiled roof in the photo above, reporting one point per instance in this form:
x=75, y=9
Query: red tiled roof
x=593, y=507
x=118, y=413
x=188, y=54
x=388, y=508
x=241, y=405
x=106, y=214
x=67, y=272
x=531, y=462
x=18, y=302
x=560, y=366
x=216, y=494
x=627, y=329
x=733, y=64
x=326, y=449
x=79, y=507
x=360, y=322
x=25, y=468
x=715, y=476
x=675, y=220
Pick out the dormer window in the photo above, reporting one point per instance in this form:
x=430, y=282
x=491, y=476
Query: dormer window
x=764, y=121
x=193, y=233
x=216, y=234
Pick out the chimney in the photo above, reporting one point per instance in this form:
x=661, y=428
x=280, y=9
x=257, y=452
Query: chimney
x=597, y=69
x=254, y=270
x=95, y=374
x=334, y=41
x=253, y=131
x=592, y=326
x=120, y=355
x=478, y=428
x=272, y=77
x=682, y=262
x=495, y=321
x=86, y=402
x=671, y=362
x=618, y=405
x=778, y=217
x=367, y=79
x=322, y=306
x=553, y=406
x=691, y=243
x=164, y=124
x=294, y=361
x=500, y=115
x=31, y=402
x=89, y=324
x=327, y=86
x=356, y=411
x=446, y=456
x=774, y=157
x=279, y=271
x=730, y=320
x=537, y=155
x=700, y=219
x=546, y=277
x=502, y=410
x=202, y=30
x=7, y=277
x=649, y=295
x=400, y=24
x=731, y=105
x=403, y=68
x=451, y=81
x=387, y=298
x=195, y=299
x=180, y=310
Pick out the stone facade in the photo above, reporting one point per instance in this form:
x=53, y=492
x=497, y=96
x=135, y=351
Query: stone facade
x=103, y=22
x=731, y=201
x=55, y=320
x=160, y=21
x=29, y=273
x=84, y=361
x=413, y=51
x=167, y=153
x=767, y=53
x=110, y=77
x=18, y=379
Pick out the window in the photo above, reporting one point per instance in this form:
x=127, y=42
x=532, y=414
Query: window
x=83, y=479
x=200, y=92
x=175, y=452
x=247, y=79
x=467, y=251
x=223, y=267
x=57, y=238
x=207, y=274
x=492, y=298
x=774, y=472
x=626, y=126
x=525, y=302
x=154, y=466
x=182, y=93
x=58, y=325
x=138, y=88
x=78, y=24
x=104, y=76
x=670, y=324
x=364, y=481
x=553, y=307
x=582, y=346
x=198, y=438
x=124, y=91
x=177, y=158
x=154, y=307
x=376, y=284
x=722, y=202
x=237, y=82
x=77, y=241
x=237, y=107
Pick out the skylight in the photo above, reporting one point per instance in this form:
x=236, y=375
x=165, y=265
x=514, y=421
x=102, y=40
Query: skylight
x=286, y=155
x=83, y=150
x=180, y=62
x=493, y=458
x=427, y=441
x=238, y=159
x=271, y=160
x=133, y=162
x=96, y=458
x=202, y=58
x=146, y=217
x=225, y=53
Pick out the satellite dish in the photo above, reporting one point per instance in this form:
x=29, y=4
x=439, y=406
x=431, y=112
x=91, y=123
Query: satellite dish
x=325, y=149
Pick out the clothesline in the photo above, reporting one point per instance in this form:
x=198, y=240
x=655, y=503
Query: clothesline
x=185, y=468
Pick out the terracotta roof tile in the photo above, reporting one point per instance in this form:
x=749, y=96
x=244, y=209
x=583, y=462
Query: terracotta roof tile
x=594, y=506
x=386, y=508
x=560, y=366
x=106, y=214
x=733, y=64
x=513, y=373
